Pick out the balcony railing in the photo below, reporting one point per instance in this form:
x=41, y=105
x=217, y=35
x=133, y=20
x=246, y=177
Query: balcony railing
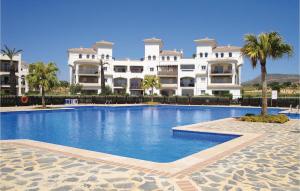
x=165, y=72
x=136, y=86
x=221, y=80
x=88, y=71
x=221, y=72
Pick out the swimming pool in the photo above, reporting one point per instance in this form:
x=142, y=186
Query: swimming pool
x=141, y=132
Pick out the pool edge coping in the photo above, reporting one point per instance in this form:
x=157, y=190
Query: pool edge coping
x=180, y=167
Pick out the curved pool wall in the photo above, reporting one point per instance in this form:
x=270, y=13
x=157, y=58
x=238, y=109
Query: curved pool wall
x=142, y=132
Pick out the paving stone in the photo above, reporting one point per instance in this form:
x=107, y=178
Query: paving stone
x=148, y=186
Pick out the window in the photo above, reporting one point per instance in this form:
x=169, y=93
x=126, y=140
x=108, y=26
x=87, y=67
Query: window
x=202, y=79
x=163, y=58
x=102, y=56
x=107, y=56
x=202, y=92
x=217, y=55
x=105, y=80
x=203, y=67
x=206, y=54
x=175, y=58
x=80, y=55
x=105, y=68
x=87, y=56
x=230, y=54
x=168, y=57
x=151, y=69
x=149, y=57
x=201, y=55
x=222, y=54
x=93, y=56
x=153, y=57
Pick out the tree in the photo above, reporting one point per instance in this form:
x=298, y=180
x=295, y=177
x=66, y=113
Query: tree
x=75, y=88
x=151, y=82
x=275, y=86
x=259, y=49
x=63, y=83
x=42, y=76
x=11, y=53
x=107, y=91
x=102, y=77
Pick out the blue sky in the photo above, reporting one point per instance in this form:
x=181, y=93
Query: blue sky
x=45, y=29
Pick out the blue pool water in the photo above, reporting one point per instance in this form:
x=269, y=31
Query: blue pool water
x=142, y=132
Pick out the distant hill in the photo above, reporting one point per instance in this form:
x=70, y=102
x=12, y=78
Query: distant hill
x=294, y=78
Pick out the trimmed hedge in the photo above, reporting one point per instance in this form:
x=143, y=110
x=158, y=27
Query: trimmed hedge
x=184, y=100
x=265, y=119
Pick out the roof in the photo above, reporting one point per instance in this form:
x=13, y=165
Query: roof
x=103, y=43
x=206, y=41
x=153, y=40
x=82, y=50
x=170, y=53
x=227, y=49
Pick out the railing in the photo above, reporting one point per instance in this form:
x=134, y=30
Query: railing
x=221, y=80
x=167, y=73
x=135, y=86
x=120, y=84
x=88, y=72
x=221, y=72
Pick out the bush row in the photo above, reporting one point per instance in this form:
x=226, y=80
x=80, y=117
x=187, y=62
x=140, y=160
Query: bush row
x=185, y=100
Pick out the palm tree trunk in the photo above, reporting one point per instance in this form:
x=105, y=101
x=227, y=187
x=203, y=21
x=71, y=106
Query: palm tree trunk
x=264, y=90
x=12, y=79
x=152, y=94
x=102, y=79
x=43, y=98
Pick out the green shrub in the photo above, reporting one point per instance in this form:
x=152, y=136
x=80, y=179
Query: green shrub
x=265, y=119
x=249, y=114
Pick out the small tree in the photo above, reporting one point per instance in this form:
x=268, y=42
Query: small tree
x=42, y=76
x=75, y=88
x=151, y=82
x=11, y=53
x=107, y=91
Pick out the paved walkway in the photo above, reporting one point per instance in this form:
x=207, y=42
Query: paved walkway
x=271, y=163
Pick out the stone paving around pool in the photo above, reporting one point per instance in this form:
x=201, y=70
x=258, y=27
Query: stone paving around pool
x=270, y=163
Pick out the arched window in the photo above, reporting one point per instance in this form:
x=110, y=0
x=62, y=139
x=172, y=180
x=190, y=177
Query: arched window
x=102, y=56
x=230, y=54
x=153, y=57
x=168, y=57
x=107, y=56
x=201, y=55
x=217, y=55
x=175, y=58
x=206, y=54
x=93, y=56
x=87, y=56
x=222, y=54
x=163, y=58
x=149, y=57
x=80, y=55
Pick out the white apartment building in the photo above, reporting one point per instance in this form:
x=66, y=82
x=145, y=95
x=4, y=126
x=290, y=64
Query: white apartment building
x=213, y=70
x=21, y=73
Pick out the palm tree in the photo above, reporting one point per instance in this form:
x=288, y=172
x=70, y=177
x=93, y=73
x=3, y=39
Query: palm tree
x=102, y=77
x=42, y=76
x=259, y=49
x=151, y=81
x=10, y=53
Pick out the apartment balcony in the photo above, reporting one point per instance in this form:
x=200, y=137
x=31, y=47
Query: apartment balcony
x=120, y=83
x=167, y=73
x=221, y=80
x=136, y=69
x=169, y=86
x=88, y=72
x=221, y=73
x=120, y=69
x=88, y=79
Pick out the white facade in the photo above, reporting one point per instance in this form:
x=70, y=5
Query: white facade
x=213, y=70
x=21, y=73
